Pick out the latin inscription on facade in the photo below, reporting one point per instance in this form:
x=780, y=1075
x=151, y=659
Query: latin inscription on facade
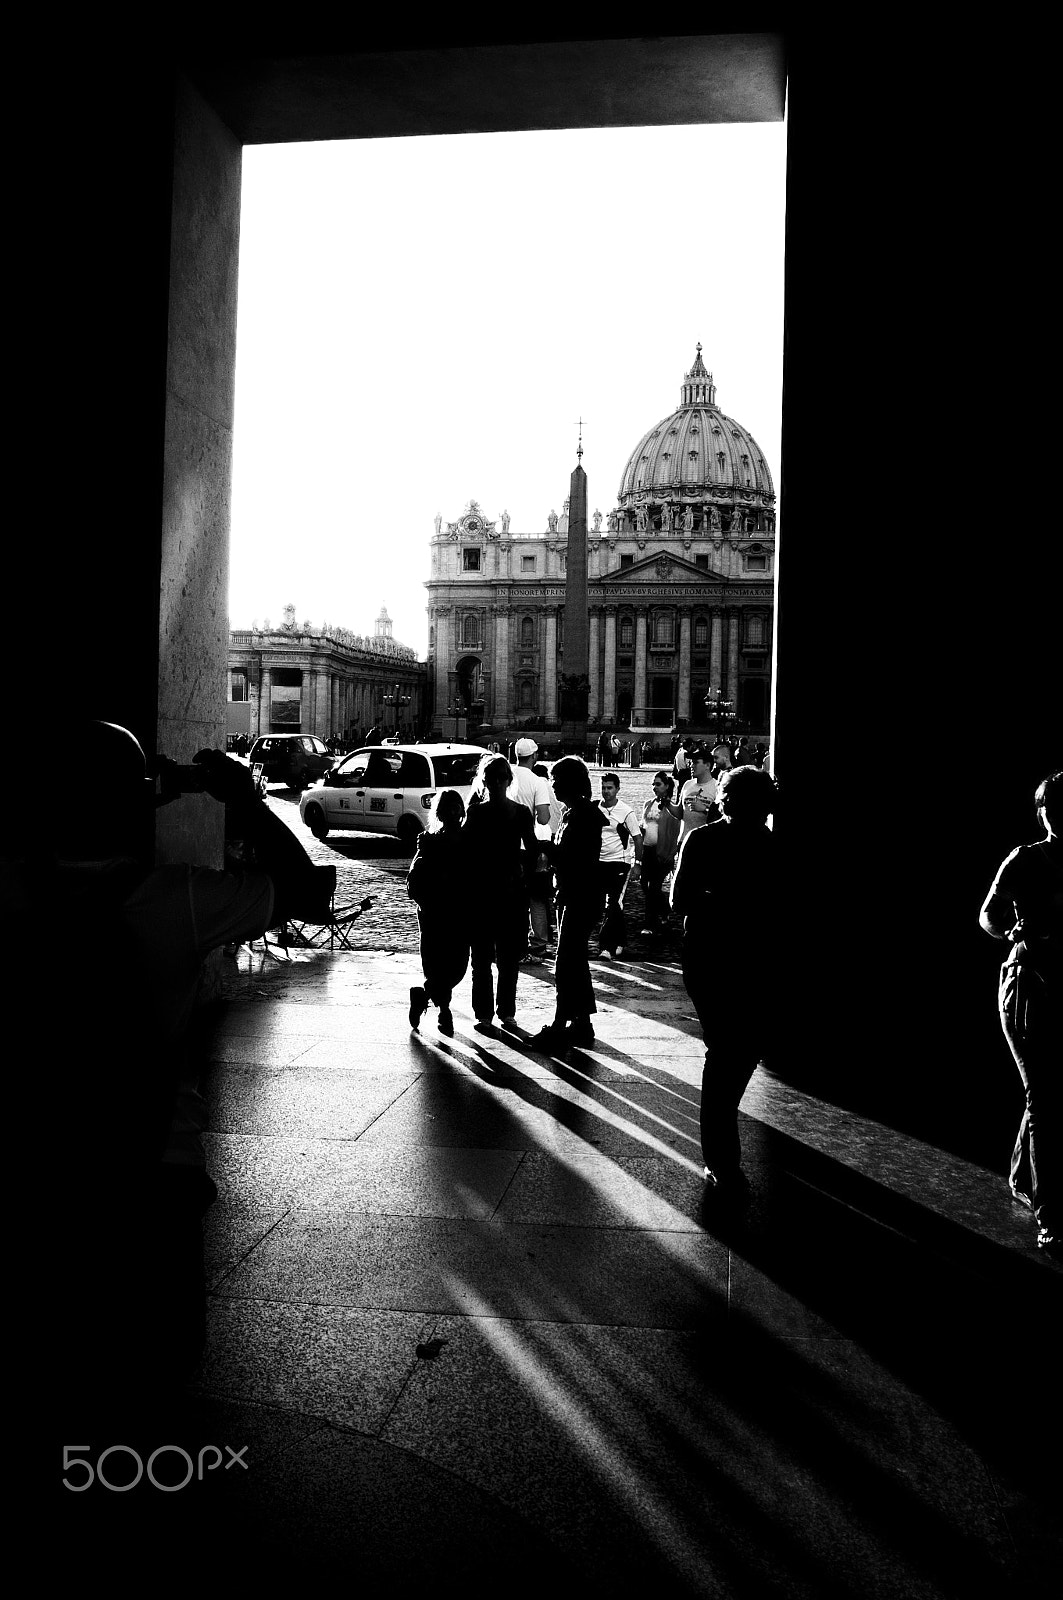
x=631, y=591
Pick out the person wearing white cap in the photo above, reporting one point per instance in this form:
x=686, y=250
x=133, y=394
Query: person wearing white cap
x=533, y=792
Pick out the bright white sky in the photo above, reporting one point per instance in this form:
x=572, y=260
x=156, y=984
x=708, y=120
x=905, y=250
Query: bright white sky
x=422, y=321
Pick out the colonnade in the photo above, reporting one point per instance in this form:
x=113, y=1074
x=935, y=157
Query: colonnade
x=618, y=663
x=334, y=701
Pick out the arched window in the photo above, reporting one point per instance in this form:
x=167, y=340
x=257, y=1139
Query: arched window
x=470, y=631
x=701, y=633
x=627, y=632
x=663, y=629
x=754, y=639
x=527, y=696
x=527, y=633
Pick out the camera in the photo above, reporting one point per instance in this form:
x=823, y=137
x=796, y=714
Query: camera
x=175, y=779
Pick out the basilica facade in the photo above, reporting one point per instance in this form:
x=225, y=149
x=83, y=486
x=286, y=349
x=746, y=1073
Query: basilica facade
x=680, y=588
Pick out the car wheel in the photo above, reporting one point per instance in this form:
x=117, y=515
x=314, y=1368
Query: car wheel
x=408, y=830
x=317, y=822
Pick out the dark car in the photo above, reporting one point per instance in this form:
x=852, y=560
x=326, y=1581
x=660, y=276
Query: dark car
x=294, y=759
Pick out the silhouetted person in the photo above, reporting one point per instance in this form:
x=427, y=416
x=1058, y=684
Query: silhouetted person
x=575, y=853
x=438, y=880
x=1025, y=906
x=724, y=886
x=124, y=1296
x=502, y=851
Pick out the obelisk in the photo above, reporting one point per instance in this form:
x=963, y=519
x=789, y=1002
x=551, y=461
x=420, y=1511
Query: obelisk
x=575, y=684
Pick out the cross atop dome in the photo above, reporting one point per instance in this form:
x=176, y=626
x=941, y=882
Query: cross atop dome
x=698, y=387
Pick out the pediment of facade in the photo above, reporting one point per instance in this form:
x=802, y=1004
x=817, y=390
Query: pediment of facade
x=661, y=567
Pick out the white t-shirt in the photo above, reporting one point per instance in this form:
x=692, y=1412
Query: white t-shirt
x=613, y=852
x=528, y=789
x=695, y=819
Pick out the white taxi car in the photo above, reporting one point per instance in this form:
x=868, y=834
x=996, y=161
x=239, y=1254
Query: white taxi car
x=389, y=788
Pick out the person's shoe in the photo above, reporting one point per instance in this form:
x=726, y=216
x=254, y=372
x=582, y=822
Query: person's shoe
x=483, y=1025
x=1050, y=1243
x=509, y=1023
x=581, y=1033
x=550, y=1041
x=445, y=1023
x=647, y=933
x=619, y=952
x=605, y=955
x=534, y=958
x=418, y=1005
x=1020, y=1195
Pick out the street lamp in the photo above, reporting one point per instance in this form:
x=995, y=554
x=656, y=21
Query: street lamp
x=395, y=700
x=719, y=710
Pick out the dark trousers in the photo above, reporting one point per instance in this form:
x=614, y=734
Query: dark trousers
x=1031, y=1016
x=654, y=870
x=500, y=940
x=444, y=955
x=572, y=974
x=731, y=1057
x=612, y=877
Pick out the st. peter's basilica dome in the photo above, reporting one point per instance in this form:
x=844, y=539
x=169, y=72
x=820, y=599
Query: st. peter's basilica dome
x=698, y=455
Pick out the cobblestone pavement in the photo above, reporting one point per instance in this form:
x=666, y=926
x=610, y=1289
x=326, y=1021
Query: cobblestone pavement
x=369, y=864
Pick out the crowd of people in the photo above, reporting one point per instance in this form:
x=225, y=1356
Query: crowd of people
x=485, y=885
x=531, y=867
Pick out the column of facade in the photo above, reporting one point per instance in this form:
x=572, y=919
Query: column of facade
x=609, y=683
x=593, y=671
x=683, y=702
x=732, y=657
x=265, y=690
x=503, y=669
x=443, y=622
x=320, y=703
x=715, y=647
x=641, y=697
x=550, y=664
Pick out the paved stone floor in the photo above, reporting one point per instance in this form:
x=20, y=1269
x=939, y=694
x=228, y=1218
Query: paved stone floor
x=477, y=1329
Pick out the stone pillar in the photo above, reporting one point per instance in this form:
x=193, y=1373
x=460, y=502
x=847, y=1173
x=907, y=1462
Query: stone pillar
x=593, y=668
x=716, y=625
x=640, y=661
x=550, y=666
x=609, y=684
x=503, y=667
x=264, y=692
x=734, y=621
x=444, y=622
x=686, y=622
x=321, y=705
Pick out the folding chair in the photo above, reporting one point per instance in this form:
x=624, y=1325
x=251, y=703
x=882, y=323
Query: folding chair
x=335, y=934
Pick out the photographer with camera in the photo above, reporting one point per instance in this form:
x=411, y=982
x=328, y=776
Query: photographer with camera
x=124, y=1116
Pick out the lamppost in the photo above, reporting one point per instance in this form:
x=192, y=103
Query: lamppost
x=396, y=700
x=721, y=711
